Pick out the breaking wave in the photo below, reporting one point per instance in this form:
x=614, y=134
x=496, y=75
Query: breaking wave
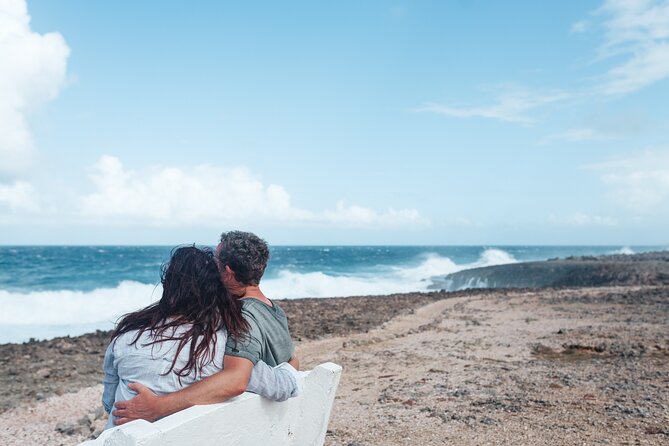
x=47, y=314
x=624, y=250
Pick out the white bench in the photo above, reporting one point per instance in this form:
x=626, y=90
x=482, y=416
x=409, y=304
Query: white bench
x=246, y=420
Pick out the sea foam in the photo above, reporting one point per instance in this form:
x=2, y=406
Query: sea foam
x=47, y=314
x=624, y=250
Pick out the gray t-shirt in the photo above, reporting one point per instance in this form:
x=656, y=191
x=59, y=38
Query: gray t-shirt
x=268, y=338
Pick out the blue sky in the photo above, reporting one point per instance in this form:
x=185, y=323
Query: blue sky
x=444, y=122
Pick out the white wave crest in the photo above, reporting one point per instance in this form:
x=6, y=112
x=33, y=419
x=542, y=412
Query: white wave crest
x=624, y=250
x=291, y=285
x=47, y=314
x=493, y=256
x=432, y=265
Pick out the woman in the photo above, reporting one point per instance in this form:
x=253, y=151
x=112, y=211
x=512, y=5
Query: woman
x=181, y=338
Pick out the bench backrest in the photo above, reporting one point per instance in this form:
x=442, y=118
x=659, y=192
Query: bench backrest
x=246, y=420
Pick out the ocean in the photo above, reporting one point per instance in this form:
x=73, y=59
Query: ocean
x=49, y=291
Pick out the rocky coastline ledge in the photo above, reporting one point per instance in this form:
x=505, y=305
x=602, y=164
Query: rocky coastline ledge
x=622, y=269
x=567, y=365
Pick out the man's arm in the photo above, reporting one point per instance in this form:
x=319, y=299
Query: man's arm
x=219, y=387
x=274, y=383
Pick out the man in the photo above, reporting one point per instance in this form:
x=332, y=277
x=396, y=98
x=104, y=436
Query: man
x=242, y=258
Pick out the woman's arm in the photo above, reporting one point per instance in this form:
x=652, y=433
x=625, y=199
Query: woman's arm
x=110, y=380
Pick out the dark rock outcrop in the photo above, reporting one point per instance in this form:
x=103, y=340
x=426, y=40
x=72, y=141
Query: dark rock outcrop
x=636, y=269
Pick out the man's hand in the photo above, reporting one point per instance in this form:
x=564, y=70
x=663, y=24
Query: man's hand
x=295, y=362
x=145, y=406
x=221, y=386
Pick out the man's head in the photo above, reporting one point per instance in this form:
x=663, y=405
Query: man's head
x=245, y=255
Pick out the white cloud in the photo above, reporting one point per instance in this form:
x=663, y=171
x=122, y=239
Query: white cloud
x=579, y=27
x=636, y=37
x=511, y=106
x=638, y=31
x=459, y=221
x=639, y=182
x=581, y=134
x=19, y=196
x=582, y=219
x=354, y=215
x=208, y=195
x=644, y=68
x=32, y=71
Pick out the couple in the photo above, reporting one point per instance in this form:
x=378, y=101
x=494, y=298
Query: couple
x=212, y=336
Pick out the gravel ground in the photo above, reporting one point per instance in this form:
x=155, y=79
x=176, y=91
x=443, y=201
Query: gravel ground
x=571, y=366
x=584, y=366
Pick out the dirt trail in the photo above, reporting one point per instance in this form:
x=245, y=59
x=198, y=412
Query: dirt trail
x=541, y=367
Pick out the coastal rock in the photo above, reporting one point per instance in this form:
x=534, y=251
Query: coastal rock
x=588, y=271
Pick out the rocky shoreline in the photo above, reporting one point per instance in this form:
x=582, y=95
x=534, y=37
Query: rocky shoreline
x=33, y=371
x=622, y=269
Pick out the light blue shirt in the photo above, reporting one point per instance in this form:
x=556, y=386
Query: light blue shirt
x=149, y=364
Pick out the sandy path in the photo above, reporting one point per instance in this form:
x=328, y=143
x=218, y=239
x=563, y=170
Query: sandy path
x=495, y=371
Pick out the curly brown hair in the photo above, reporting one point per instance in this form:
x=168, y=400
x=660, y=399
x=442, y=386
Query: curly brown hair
x=246, y=254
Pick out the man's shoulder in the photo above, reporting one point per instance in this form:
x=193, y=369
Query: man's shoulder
x=268, y=319
x=256, y=306
x=252, y=307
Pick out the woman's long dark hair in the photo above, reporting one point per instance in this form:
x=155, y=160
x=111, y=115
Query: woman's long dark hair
x=192, y=294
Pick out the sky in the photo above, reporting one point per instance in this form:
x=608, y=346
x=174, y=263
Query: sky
x=426, y=122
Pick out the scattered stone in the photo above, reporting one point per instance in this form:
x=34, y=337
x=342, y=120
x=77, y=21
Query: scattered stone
x=540, y=349
x=577, y=348
x=43, y=373
x=488, y=421
x=67, y=428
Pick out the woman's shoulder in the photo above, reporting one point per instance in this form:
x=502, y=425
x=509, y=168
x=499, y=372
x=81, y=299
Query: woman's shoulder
x=126, y=338
x=142, y=340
